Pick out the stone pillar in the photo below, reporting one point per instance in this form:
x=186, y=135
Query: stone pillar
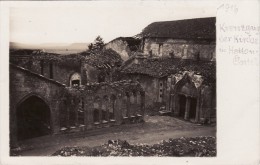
x=67, y=114
x=118, y=109
x=85, y=110
x=197, y=118
x=107, y=103
x=143, y=104
x=210, y=106
x=171, y=108
x=113, y=108
x=176, y=105
x=135, y=105
x=89, y=108
x=100, y=111
x=76, y=106
x=128, y=105
x=54, y=123
x=187, y=108
x=168, y=94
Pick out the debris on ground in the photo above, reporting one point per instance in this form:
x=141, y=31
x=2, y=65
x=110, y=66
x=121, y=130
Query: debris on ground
x=195, y=147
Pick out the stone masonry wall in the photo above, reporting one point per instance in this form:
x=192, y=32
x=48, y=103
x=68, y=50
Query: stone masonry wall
x=24, y=83
x=60, y=73
x=120, y=47
x=180, y=48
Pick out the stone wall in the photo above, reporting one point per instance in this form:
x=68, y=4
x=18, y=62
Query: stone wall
x=120, y=47
x=73, y=108
x=93, y=74
x=102, y=105
x=191, y=87
x=185, y=49
x=24, y=84
x=52, y=69
x=185, y=83
x=151, y=86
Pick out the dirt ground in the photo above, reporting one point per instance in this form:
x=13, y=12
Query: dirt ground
x=154, y=130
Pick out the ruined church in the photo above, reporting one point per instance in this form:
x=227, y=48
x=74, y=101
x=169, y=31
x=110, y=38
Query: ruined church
x=171, y=64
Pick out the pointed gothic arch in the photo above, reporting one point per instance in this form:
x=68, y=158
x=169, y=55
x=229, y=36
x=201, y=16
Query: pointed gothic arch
x=33, y=117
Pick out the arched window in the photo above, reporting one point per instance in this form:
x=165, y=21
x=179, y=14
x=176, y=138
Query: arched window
x=75, y=80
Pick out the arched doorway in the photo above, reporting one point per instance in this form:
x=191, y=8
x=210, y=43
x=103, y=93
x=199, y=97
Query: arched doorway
x=75, y=80
x=185, y=98
x=33, y=118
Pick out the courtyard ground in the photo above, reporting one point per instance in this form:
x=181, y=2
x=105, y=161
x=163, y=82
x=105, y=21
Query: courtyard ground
x=154, y=130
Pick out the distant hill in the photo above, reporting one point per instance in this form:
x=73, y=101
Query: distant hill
x=60, y=48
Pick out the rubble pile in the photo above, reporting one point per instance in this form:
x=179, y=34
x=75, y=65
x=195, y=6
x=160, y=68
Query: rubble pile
x=198, y=147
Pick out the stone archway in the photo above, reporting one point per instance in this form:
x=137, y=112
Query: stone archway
x=185, y=99
x=33, y=118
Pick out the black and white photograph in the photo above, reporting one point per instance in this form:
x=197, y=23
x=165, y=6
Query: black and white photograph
x=121, y=79
x=144, y=92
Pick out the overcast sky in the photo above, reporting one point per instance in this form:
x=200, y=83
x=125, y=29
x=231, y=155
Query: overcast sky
x=65, y=23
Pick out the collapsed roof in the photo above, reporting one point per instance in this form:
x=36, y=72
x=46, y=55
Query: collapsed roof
x=161, y=67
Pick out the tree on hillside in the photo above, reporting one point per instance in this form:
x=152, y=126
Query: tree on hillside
x=97, y=45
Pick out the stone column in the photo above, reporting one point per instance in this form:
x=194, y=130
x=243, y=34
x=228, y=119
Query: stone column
x=197, y=118
x=176, y=105
x=187, y=108
x=85, y=110
x=210, y=106
x=76, y=106
x=54, y=123
x=67, y=114
x=89, y=108
x=128, y=105
x=100, y=111
x=113, y=107
x=135, y=105
x=143, y=104
x=107, y=106
x=171, y=108
x=118, y=109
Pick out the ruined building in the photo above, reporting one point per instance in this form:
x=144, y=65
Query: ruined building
x=124, y=46
x=176, y=67
x=52, y=94
x=172, y=64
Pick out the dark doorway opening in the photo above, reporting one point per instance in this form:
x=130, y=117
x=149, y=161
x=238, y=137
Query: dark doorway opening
x=33, y=118
x=75, y=83
x=182, y=102
x=96, y=115
x=193, y=105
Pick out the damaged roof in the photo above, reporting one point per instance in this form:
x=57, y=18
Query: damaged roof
x=132, y=43
x=198, y=28
x=104, y=59
x=161, y=67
